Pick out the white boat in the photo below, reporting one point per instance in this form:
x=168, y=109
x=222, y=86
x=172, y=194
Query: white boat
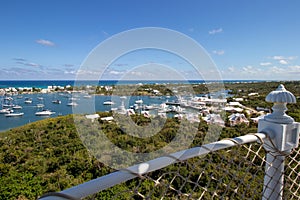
x=108, y=102
x=72, y=104
x=73, y=98
x=140, y=101
x=56, y=101
x=44, y=113
x=14, y=114
x=6, y=111
x=17, y=107
x=149, y=107
x=8, y=99
x=87, y=96
x=40, y=105
x=28, y=101
x=7, y=105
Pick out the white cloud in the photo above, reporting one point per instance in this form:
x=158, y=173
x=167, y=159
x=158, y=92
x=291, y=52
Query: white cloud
x=292, y=57
x=283, y=62
x=70, y=72
x=20, y=59
x=231, y=69
x=218, y=52
x=247, y=68
x=280, y=72
x=265, y=63
x=294, y=69
x=31, y=64
x=277, y=57
x=68, y=65
x=214, y=31
x=114, y=72
x=277, y=70
x=45, y=42
x=284, y=58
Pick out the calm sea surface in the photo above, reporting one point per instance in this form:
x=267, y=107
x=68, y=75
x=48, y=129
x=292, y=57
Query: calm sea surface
x=85, y=106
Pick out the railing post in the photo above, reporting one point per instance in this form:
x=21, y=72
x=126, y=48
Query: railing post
x=283, y=135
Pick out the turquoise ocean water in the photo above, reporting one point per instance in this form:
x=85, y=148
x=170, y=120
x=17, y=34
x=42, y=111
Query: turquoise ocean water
x=62, y=109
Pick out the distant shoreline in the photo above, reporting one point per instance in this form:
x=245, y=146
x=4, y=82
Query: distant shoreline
x=43, y=84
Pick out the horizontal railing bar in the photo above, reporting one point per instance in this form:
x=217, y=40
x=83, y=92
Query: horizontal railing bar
x=114, y=178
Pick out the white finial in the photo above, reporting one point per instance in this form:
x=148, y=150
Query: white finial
x=280, y=97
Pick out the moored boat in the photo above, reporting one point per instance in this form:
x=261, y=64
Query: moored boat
x=6, y=111
x=87, y=96
x=72, y=103
x=28, y=101
x=44, y=113
x=40, y=105
x=17, y=107
x=108, y=102
x=14, y=114
x=56, y=101
x=140, y=101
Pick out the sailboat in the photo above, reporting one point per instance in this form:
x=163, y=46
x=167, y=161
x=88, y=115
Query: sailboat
x=6, y=106
x=7, y=102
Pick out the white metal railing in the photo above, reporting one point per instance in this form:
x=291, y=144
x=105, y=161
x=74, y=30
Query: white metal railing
x=104, y=182
x=278, y=135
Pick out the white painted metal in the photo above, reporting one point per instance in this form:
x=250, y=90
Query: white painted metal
x=104, y=182
x=283, y=136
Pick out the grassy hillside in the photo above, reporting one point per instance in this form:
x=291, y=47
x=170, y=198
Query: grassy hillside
x=48, y=155
x=44, y=156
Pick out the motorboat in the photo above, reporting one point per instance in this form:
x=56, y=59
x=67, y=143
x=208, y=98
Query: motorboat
x=44, y=113
x=7, y=105
x=17, y=107
x=140, y=101
x=56, y=101
x=73, y=98
x=6, y=111
x=87, y=96
x=14, y=114
x=40, y=105
x=73, y=103
x=28, y=101
x=108, y=102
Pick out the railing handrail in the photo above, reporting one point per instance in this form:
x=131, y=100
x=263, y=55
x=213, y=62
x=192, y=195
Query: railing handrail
x=114, y=178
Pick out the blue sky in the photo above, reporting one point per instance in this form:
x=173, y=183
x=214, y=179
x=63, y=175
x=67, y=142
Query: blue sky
x=246, y=39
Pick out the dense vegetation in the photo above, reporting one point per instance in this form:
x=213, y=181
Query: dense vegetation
x=48, y=155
